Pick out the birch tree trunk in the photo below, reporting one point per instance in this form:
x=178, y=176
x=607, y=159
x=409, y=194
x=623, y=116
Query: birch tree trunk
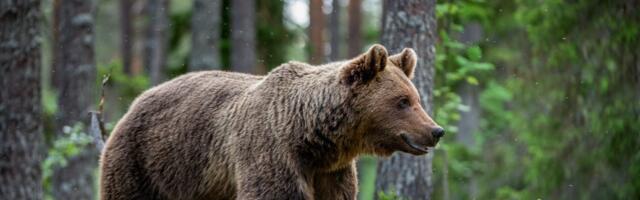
x=74, y=78
x=157, y=39
x=410, y=23
x=21, y=139
x=243, y=36
x=205, y=26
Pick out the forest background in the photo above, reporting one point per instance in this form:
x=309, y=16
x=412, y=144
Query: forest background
x=541, y=99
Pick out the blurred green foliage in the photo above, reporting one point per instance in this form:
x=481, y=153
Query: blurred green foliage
x=367, y=169
x=179, y=38
x=389, y=195
x=457, y=64
x=73, y=140
x=558, y=105
x=272, y=34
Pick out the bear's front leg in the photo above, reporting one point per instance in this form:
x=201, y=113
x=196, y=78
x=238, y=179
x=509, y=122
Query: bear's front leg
x=340, y=185
x=271, y=182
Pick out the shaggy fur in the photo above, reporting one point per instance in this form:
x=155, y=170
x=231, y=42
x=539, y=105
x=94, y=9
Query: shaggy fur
x=292, y=134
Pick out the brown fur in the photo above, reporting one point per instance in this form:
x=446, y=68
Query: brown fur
x=292, y=134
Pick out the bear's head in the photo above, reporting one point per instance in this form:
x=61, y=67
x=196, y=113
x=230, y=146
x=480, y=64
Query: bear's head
x=391, y=117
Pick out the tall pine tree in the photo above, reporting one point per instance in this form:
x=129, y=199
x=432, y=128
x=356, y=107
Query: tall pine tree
x=410, y=23
x=74, y=75
x=21, y=139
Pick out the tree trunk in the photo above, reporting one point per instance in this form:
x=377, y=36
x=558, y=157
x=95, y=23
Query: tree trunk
x=410, y=23
x=157, y=39
x=126, y=35
x=355, y=28
x=243, y=36
x=74, y=78
x=316, y=32
x=273, y=36
x=468, y=125
x=334, y=28
x=138, y=35
x=21, y=139
x=469, y=122
x=205, y=26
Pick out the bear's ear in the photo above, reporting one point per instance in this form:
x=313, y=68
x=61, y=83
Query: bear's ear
x=365, y=67
x=405, y=60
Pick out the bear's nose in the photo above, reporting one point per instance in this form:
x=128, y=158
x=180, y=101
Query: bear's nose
x=437, y=132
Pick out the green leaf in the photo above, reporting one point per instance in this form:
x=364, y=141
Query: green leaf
x=474, y=53
x=483, y=66
x=472, y=80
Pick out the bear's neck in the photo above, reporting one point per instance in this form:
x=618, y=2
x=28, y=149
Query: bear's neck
x=327, y=144
x=323, y=154
x=321, y=108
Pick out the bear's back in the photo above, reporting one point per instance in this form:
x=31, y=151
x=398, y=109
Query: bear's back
x=172, y=134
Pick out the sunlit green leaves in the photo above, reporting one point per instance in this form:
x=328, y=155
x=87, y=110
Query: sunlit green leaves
x=390, y=194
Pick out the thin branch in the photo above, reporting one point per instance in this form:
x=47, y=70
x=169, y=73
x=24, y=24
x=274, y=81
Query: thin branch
x=97, y=129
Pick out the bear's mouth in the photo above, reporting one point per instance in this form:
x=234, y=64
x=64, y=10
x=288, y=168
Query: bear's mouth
x=419, y=149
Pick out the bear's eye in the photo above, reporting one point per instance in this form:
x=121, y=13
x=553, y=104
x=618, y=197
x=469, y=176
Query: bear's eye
x=404, y=103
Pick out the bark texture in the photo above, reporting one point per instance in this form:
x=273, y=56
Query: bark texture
x=157, y=39
x=316, y=32
x=74, y=76
x=410, y=23
x=21, y=140
x=205, y=26
x=355, y=28
x=243, y=36
x=334, y=28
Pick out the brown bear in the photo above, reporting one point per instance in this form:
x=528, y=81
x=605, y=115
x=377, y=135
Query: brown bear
x=292, y=134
